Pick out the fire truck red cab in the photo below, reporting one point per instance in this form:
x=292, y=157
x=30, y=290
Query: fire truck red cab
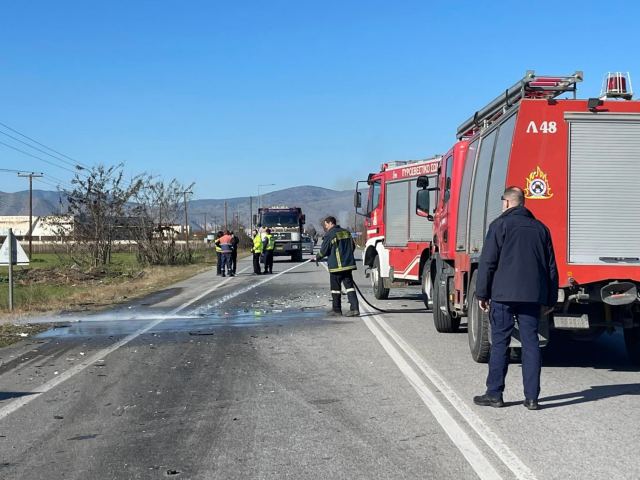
x=398, y=240
x=578, y=162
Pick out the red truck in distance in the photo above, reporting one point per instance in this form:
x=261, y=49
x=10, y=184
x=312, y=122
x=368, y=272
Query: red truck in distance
x=578, y=161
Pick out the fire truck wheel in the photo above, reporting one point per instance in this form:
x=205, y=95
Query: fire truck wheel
x=478, y=327
x=442, y=320
x=427, y=286
x=377, y=282
x=632, y=342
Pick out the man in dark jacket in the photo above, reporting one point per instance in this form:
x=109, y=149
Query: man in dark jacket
x=338, y=246
x=517, y=281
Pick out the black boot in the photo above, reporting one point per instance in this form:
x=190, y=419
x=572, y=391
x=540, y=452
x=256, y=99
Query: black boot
x=487, y=400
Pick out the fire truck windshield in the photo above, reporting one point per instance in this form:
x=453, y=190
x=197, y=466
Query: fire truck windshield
x=280, y=219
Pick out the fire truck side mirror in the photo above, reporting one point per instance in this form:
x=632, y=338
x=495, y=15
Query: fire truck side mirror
x=357, y=200
x=303, y=219
x=423, y=202
x=423, y=181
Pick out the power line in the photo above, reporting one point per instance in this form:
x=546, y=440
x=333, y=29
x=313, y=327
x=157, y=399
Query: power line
x=43, y=145
x=37, y=157
x=79, y=167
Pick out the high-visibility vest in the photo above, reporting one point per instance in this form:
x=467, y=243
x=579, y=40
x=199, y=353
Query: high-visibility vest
x=271, y=242
x=217, y=244
x=257, y=244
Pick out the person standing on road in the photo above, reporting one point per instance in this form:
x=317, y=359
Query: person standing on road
x=517, y=282
x=256, y=250
x=269, y=247
x=338, y=246
x=234, y=252
x=218, y=248
x=226, y=242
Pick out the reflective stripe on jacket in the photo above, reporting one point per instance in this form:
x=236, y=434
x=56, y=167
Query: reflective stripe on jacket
x=226, y=243
x=338, y=247
x=257, y=244
x=217, y=244
x=271, y=242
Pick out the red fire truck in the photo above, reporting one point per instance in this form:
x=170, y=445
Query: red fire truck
x=398, y=240
x=579, y=163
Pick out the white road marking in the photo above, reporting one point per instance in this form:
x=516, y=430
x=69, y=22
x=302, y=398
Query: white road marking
x=100, y=355
x=204, y=294
x=458, y=436
x=506, y=455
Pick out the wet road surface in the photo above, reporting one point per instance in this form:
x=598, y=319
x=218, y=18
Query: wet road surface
x=247, y=377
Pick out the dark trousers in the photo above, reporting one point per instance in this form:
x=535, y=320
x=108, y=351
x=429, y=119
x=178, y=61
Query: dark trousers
x=268, y=261
x=226, y=263
x=338, y=279
x=234, y=261
x=256, y=263
x=503, y=317
x=219, y=263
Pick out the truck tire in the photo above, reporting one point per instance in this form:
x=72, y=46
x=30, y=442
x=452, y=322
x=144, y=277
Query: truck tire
x=478, y=329
x=632, y=342
x=377, y=282
x=442, y=319
x=427, y=286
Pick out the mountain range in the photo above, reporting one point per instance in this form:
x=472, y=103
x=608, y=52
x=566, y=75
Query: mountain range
x=316, y=203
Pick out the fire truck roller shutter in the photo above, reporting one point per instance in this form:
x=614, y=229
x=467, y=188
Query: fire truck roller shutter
x=420, y=229
x=497, y=181
x=397, y=213
x=604, y=161
x=489, y=181
x=463, y=207
x=479, y=192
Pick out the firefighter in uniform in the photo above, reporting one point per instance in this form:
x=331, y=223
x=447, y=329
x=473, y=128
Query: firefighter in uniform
x=338, y=246
x=216, y=243
x=269, y=247
x=257, y=252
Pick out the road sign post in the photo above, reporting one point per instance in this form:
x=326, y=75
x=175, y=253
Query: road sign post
x=11, y=253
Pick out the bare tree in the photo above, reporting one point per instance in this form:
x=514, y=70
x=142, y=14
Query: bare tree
x=158, y=206
x=99, y=207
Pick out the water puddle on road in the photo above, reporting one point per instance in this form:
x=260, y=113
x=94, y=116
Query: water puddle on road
x=194, y=325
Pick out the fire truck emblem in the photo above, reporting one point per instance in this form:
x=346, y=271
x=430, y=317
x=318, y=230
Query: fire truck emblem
x=538, y=185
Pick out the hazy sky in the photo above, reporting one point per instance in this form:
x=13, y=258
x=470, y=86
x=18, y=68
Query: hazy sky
x=232, y=94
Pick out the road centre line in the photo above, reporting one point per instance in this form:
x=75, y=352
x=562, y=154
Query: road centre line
x=98, y=356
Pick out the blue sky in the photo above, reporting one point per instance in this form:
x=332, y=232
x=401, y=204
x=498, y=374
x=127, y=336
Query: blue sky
x=235, y=94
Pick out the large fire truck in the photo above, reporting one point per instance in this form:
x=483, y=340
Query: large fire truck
x=398, y=240
x=287, y=227
x=579, y=164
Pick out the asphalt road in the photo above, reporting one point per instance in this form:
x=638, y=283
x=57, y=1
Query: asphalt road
x=247, y=378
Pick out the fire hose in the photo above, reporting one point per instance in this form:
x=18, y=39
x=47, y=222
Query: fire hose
x=383, y=310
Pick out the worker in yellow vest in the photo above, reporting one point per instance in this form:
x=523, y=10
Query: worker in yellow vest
x=257, y=252
x=269, y=243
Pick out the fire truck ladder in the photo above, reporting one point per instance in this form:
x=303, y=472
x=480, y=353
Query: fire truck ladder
x=531, y=86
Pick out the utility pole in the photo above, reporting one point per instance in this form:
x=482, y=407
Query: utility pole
x=186, y=215
x=31, y=176
x=205, y=224
x=250, y=213
x=226, y=226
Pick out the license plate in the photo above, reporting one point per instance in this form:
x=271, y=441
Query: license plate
x=576, y=322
